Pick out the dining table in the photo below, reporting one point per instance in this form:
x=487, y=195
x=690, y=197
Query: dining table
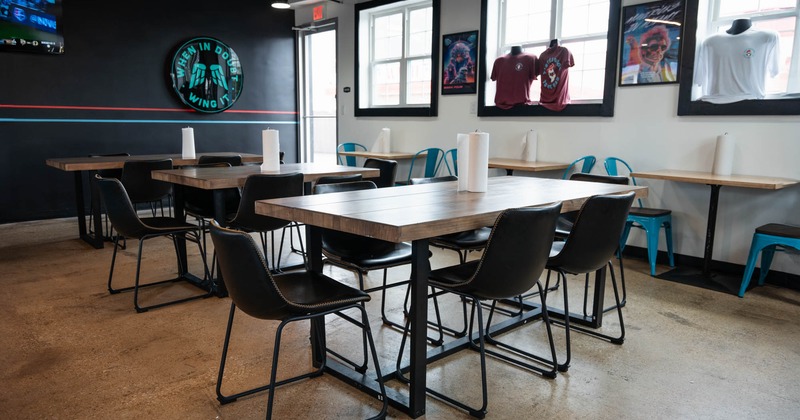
x=82, y=167
x=705, y=275
x=416, y=213
x=511, y=165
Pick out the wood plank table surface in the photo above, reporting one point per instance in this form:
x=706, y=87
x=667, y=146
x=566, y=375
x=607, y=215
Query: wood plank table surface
x=381, y=155
x=415, y=213
x=511, y=165
x=706, y=276
x=80, y=165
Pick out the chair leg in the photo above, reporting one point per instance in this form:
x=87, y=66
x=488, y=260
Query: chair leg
x=652, y=246
x=766, y=261
x=755, y=249
x=668, y=235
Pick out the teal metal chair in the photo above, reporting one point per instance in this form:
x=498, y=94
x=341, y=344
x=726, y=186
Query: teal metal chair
x=587, y=163
x=348, y=147
x=649, y=219
x=766, y=240
x=450, y=160
x=433, y=160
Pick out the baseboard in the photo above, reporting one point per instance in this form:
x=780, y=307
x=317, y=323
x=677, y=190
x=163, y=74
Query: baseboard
x=778, y=278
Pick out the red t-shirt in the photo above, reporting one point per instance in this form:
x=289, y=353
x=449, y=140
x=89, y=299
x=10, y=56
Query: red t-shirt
x=554, y=64
x=514, y=75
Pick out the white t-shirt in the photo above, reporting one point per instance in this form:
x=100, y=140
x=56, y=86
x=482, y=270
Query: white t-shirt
x=733, y=68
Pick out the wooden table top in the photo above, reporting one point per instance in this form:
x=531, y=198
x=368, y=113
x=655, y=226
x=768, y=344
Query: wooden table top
x=117, y=162
x=235, y=176
x=389, y=155
x=410, y=212
x=744, y=181
x=524, y=165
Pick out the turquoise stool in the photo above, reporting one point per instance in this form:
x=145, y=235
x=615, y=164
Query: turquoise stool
x=649, y=219
x=766, y=240
x=588, y=164
x=349, y=147
x=433, y=159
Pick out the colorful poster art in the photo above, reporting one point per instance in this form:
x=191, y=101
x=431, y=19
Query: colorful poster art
x=650, y=48
x=459, y=63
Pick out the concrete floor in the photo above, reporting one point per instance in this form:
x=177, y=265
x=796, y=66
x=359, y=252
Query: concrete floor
x=71, y=350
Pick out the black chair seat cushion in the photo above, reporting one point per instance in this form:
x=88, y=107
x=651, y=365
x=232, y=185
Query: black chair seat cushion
x=453, y=276
x=309, y=292
x=777, y=229
x=476, y=238
x=161, y=225
x=648, y=212
x=365, y=252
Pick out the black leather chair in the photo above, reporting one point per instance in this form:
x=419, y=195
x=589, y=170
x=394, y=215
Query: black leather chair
x=142, y=188
x=336, y=179
x=388, y=170
x=264, y=187
x=512, y=263
x=592, y=243
x=296, y=296
x=105, y=173
x=128, y=225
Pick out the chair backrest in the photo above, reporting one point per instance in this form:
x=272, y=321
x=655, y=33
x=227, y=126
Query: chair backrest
x=139, y=183
x=603, y=179
x=610, y=163
x=119, y=208
x=586, y=164
x=388, y=170
x=348, y=243
x=264, y=187
x=433, y=159
x=446, y=178
x=247, y=278
x=450, y=160
x=336, y=179
x=235, y=160
x=110, y=173
x=516, y=252
x=595, y=235
x=348, y=147
x=200, y=202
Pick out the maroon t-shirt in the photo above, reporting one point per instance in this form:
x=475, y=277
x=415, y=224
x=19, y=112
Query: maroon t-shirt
x=554, y=64
x=514, y=75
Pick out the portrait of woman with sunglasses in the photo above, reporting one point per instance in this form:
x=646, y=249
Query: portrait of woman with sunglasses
x=649, y=54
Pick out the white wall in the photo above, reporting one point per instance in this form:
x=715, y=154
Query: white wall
x=645, y=131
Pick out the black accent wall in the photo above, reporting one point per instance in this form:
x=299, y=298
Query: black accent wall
x=117, y=56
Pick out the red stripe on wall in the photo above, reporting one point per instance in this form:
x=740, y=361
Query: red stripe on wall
x=111, y=108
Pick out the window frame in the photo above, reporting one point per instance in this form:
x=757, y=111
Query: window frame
x=603, y=109
x=687, y=106
x=430, y=110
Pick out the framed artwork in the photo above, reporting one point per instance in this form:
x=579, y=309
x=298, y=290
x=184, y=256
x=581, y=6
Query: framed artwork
x=650, y=50
x=459, y=63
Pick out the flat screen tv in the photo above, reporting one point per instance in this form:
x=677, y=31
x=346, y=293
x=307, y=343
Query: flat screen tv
x=31, y=26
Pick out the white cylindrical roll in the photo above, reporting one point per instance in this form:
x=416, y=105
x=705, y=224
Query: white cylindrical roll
x=271, y=147
x=383, y=142
x=478, y=175
x=531, y=146
x=723, y=155
x=187, y=135
x=462, y=149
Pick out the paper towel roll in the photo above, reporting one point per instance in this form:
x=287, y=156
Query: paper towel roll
x=723, y=155
x=271, y=147
x=530, y=144
x=383, y=144
x=478, y=175
x=462, y=149
x=187, y=134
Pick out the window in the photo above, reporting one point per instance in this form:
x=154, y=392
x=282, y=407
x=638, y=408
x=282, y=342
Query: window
x=708, y=17
x=589, y=29
x=396, y=43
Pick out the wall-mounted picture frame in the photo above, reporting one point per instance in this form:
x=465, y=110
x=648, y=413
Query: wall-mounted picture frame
x=650, y=50
x=459, y=63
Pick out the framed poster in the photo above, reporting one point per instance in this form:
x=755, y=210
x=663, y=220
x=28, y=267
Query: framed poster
x=459, y=63
x=650, y=50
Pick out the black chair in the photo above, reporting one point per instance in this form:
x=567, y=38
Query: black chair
x=128, y=225
x=388, y=171
x=512, y=263
x=336, y=179
x=105, y=173
x=361, y=254
x=592, y=243
x=286, y=298
x=264, y=187
x=142, y=188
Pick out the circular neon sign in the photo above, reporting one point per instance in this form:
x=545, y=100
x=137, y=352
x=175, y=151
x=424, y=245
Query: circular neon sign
x=206, y=74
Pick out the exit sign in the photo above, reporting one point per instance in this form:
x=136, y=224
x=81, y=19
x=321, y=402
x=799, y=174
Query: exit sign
x=319, y=12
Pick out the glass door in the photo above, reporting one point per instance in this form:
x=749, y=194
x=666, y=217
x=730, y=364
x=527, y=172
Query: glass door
x=317, y=56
